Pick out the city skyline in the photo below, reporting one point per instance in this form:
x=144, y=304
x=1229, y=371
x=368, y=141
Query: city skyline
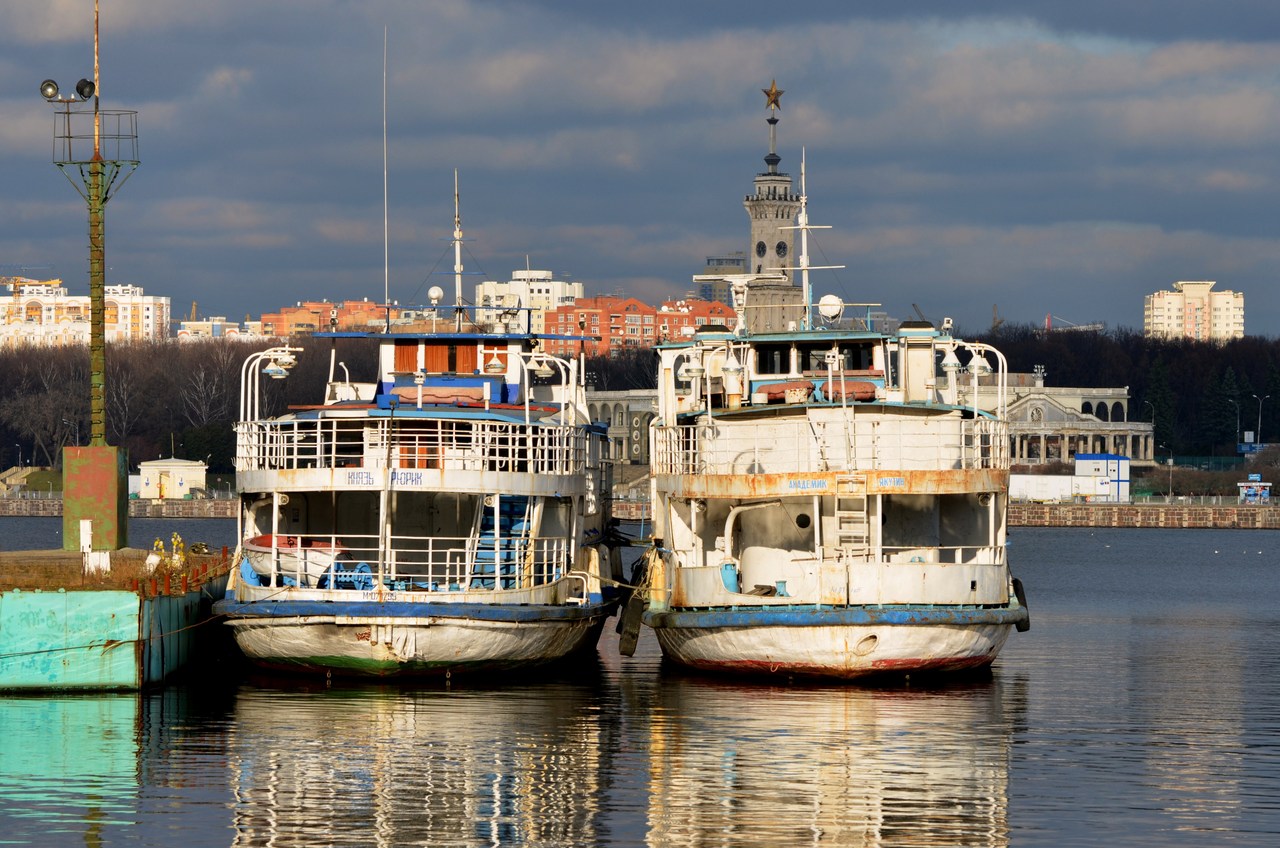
x=1046, y=157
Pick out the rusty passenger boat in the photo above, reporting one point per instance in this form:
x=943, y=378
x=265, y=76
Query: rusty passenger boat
x=828, y=501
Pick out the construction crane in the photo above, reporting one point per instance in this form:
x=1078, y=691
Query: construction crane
x=996, y=320
x=916, y=307
x=1096, y=326
x=9, y=278
x=193, y=311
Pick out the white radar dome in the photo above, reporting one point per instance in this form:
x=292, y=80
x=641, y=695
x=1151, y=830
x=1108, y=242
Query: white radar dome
x=830, y=306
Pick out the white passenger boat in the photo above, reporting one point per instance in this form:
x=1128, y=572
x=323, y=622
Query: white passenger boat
x=450, y=516
x=828, y=501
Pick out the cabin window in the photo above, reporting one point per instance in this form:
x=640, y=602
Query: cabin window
x=773, y=359
x=445, y=359
x=407, y=357
x=857, y=357
x=813, y=359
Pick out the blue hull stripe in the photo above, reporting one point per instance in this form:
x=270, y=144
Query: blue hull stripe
x=400, y=609
x=833, y=617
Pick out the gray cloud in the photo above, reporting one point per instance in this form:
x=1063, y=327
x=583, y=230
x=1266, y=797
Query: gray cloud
x=1051, y=157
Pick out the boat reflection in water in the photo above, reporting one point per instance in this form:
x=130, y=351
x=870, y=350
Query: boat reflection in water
x=372, y=765
x=743, y=765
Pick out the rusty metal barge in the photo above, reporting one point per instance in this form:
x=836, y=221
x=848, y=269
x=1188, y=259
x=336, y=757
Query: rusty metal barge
x=67, y=628
x=828, y=501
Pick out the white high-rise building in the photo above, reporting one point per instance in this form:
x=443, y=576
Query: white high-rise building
x=1193, y=311
x=42, y=313
x=528, y=294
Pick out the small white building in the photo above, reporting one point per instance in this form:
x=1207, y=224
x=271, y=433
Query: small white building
x=170, y=479
x=1109, y=467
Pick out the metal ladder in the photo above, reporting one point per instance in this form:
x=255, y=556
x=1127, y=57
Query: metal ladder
x=853, y=530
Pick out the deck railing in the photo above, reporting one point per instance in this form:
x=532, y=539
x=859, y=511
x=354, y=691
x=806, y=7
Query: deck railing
x=803, y=445
x=289, y=444
x=414, y=563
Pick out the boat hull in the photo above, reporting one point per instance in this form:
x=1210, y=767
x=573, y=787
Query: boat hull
x=834, y=643
x=386, y=640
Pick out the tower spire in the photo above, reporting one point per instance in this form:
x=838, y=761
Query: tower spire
x=773, y=102
x=772, y=205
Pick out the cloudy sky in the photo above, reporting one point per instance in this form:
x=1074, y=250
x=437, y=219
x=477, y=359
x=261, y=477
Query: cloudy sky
x=1045, y=156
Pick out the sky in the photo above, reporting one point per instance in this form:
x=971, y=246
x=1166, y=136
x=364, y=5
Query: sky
x=1038, y=157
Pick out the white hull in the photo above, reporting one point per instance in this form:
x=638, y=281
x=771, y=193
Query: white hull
x=837, y=651
x=423, y=645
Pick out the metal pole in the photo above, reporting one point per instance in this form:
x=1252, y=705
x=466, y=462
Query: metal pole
x=1257, y=439
x=97, y=310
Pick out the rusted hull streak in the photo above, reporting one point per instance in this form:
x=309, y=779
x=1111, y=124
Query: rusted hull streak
x=880, y=481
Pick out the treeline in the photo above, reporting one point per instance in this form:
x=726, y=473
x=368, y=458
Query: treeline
x=1200, y=395
x=183, y=399
x=163, y=398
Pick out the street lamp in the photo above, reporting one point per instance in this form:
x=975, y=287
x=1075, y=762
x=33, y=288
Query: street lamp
x=1153, y=421
x=1257, y=437
x=1168, y=494
x=97, y=151
x=19, y=447
x=76, y=426
x=1237, y=406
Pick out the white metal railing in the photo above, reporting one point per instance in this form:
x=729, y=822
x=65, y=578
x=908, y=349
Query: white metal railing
x=801, y=445
x=413, y=563
x=948, y=554
x=289, y=444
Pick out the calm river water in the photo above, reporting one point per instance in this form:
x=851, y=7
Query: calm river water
x=1143, y=708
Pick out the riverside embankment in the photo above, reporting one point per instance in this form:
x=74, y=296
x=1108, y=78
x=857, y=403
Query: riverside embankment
x=1221, y=517
x=52, y=507
x=1020, y=514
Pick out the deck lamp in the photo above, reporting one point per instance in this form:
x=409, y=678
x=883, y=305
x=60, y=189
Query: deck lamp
x=979, y=364
x=494, y=365
x=84, y=90
x=951, y=362
x=690, y=371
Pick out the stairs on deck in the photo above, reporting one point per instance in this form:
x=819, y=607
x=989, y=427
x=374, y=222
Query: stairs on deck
x=503, y=534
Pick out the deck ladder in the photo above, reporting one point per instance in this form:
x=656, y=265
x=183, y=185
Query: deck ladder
x=853, y=530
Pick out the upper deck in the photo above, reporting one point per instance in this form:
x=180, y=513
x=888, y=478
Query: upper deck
x=455, y=411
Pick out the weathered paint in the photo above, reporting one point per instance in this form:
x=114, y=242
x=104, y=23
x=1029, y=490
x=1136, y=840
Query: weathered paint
x=97, y=639
x=809, y=616
x=841, y=651
x=69, y=640
x=413, y=647
x=95, y=486
x=886, y=481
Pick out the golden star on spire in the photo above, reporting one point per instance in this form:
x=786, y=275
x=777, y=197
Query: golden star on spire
x=773, y=96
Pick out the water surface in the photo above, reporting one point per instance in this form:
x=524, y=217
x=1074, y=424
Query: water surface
x=1141, y=709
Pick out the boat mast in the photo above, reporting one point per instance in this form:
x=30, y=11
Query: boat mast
x=803, y=225
x=457, y=255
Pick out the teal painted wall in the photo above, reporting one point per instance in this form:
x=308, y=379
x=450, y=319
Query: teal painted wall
x=69, y=640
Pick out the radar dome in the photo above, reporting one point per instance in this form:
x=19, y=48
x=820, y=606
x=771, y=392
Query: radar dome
x=830, y=306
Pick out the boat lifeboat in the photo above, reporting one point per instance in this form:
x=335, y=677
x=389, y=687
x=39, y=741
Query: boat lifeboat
x=293, y=556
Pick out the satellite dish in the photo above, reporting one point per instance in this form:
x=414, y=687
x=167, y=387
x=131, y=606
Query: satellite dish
x=830, y=306
x=436, y=294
